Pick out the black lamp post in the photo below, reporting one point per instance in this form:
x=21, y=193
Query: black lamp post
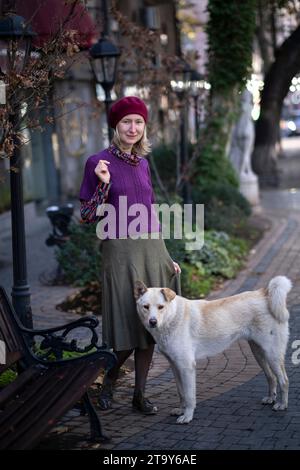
x=197, y=83
x=104, y=56
x=15, y=45
x=180, y=85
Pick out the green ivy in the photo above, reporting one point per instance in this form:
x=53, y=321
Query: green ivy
x=212, y=166
x=230, y=30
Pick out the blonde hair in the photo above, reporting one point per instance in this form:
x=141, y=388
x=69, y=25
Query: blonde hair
x=142, y=147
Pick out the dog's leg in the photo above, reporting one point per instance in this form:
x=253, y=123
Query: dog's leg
x=187, y=374
x=178, y=411
x=275, y=355
x=259, y=355
x=277, y=366
x=276, y=363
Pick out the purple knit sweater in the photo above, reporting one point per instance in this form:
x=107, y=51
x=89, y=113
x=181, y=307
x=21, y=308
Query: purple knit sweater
x=126, y=180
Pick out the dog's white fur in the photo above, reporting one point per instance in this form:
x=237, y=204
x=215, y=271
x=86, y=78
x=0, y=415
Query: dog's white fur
x=186, y=330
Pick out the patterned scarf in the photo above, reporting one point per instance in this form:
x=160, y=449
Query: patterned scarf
x=130, y=158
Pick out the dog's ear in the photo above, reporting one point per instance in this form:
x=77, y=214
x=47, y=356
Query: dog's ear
x=139, y=289
x=168, y=294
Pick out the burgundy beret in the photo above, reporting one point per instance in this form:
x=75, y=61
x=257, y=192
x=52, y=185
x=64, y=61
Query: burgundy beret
x=125, y=106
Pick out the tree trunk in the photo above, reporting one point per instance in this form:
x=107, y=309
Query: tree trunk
x=263, y=35
x=276, y=87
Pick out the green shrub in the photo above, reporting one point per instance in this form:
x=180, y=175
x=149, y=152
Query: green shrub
x=7, y=377
x=226, y=209
x=225, y=194
x=194, y=284
x=221, y=257
x=212, y=165
x=80, y=257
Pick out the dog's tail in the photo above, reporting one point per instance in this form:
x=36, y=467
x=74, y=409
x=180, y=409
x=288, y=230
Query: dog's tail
x=278, y=289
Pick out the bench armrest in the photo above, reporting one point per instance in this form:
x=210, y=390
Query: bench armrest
x=49, y=346
x=85, y=321
x=54, y=342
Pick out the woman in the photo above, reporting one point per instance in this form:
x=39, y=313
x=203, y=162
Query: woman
x=118, y=174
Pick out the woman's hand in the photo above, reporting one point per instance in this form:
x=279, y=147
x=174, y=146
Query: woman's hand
x=102, y=172
x=176, y=267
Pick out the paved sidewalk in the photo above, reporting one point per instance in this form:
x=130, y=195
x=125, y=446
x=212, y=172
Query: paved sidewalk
x=229, y=386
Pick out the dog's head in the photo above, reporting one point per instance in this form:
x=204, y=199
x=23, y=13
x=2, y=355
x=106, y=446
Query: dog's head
x=153, y=304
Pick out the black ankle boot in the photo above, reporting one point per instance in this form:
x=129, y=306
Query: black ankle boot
x=142, y=404
x=106, y=394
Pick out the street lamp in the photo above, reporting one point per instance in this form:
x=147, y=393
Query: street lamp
x=15, y=45
x=104, y=56
x=197, y=84
x=180, y=84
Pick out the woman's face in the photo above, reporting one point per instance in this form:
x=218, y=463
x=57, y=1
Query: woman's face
x=131, y=129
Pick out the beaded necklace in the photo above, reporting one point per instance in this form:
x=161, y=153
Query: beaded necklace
x=130, y=158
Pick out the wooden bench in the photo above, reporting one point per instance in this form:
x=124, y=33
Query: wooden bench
x=47, y=385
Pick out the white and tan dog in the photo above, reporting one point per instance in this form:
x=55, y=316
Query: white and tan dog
x=186, y=330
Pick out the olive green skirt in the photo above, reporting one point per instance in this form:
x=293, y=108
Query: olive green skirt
x=123, y=262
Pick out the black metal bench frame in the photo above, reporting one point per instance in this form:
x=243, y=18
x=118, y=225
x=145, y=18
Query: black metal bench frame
x=47, y=385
